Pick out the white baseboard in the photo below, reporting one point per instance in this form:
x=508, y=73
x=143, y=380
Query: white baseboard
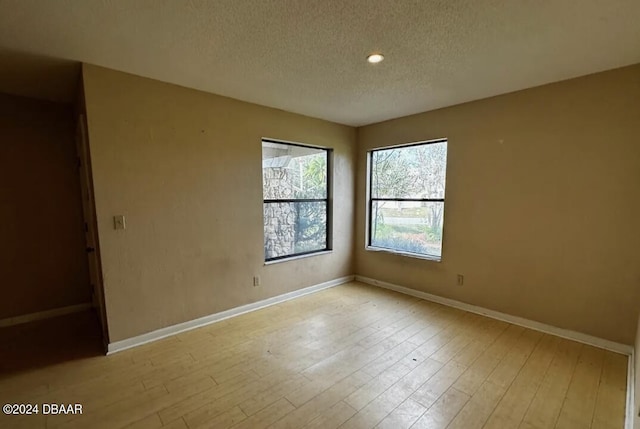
x=531, y=324
x=217, y=317
x=631, y=388
x=47, y=314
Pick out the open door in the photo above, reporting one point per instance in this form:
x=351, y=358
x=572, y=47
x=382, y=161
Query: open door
x=90, y=228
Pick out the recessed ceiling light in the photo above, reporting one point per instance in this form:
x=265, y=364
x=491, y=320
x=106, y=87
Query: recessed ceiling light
x=375, y=58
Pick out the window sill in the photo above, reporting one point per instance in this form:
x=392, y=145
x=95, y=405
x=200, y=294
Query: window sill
x=293, y=258
x=407, y=254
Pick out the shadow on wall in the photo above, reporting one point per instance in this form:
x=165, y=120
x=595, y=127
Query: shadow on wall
x=37, y=76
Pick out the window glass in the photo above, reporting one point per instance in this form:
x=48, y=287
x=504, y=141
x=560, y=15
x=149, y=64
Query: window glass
x=406, y=201
x=295, y=187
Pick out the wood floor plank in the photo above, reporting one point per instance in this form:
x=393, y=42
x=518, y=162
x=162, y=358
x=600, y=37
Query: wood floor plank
x=486, y=363
x=512, y=363
x=216, y=400
x=443, y=411
x=374, y=388
x=431, y=391
x=226, y=419
x=177, y=424
x=197, y=400
x=545, y=406
x=118, y=414
x=374, y=412
x=325, y=400
x=333, y=418
x=267, y=416
x=263, y=399
x=514, y=404
x=479, y=408
x=579, y=404
x=610, y=402
x=352, y=356
x=404, y=416
x=152, y=421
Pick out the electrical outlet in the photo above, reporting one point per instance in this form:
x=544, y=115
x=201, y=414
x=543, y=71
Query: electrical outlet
x=256, y=281
x=460, y=279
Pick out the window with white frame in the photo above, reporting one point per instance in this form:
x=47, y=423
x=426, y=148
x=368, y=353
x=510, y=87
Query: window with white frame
x=296, y=192
x=406, y=198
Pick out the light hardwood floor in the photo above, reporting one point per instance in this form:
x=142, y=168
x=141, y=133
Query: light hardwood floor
x=353, y=356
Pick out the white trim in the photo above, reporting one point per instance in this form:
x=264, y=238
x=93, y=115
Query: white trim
x=47, y=314
x=401, y=253
x=294, y=257
x=631, y=388
x=531, y=324
x=213, y=318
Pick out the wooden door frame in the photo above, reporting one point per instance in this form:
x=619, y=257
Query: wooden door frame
x=90, y=222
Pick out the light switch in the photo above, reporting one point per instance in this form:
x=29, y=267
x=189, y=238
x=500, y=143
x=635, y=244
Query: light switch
x=118, y=222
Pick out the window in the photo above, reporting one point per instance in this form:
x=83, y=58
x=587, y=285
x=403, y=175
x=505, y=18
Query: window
x=406, y=198
x=296, y=191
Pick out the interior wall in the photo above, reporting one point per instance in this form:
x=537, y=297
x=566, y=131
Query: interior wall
x=42, y=261
x=184, y=168
x=542, y=204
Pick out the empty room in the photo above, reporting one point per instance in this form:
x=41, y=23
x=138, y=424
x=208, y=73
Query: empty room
x=319, y=214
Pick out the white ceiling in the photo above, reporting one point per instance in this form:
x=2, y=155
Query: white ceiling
x=308, y=56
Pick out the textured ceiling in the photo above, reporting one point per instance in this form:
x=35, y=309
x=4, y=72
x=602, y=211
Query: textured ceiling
x=308, y=56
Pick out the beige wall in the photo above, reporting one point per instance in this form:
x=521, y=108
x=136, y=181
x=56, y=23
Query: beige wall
x=184, y=167
x=542, y=207
x=42, y=260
